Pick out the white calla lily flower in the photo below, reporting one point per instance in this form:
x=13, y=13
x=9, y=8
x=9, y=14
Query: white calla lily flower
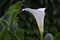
x=39, y=16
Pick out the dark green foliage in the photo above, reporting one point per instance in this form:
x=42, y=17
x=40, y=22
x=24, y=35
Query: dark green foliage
x=20, y=34
x=57, y=37
x=26, y=22
x=7, y=22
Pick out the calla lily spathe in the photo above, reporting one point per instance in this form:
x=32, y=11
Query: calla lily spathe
x=39, y=15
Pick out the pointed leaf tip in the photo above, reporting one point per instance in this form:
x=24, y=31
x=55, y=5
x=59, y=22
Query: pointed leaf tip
x=48, y=37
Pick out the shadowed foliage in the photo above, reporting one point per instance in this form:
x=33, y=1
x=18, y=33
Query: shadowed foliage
x=27, y=23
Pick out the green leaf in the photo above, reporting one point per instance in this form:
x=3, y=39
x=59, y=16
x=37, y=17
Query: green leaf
x=12, y=36
x=12, y=12
x=20, y=34
x=57, y=36
x=48, y=37
x=1, y=27
x=4, y=35
x=15, y=27
x=3, y=22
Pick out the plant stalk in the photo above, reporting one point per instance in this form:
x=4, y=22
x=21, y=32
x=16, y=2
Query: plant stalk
x=41, y=29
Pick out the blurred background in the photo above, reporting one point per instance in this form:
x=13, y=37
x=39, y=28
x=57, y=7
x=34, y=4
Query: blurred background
x=27, y=22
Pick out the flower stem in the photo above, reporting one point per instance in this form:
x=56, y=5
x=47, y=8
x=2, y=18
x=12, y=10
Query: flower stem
x=41, y=31
x=41, y=35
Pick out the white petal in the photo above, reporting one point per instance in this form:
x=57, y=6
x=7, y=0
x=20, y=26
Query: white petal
x=39, y=16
